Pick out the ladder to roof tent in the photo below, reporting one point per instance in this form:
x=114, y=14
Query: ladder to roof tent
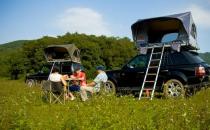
x=152, y=72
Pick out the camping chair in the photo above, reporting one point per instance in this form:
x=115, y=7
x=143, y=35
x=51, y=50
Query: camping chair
x=53, y=92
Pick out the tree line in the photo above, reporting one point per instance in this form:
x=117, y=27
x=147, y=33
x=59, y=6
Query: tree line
x=112, y=52
x=22, y=57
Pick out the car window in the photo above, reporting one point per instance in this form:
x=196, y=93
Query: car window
x=69, y=67
x=46, y=69
x=193, y=31
x=66, y=68
x=138, y=62
x=193, y=57
x=178, y=58
x=169, y=37
x=184, y=57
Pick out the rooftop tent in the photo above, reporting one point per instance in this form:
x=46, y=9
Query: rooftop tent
x=154, y=30
x=62, y=53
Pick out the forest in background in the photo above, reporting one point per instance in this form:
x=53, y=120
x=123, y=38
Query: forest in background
x=27, y=56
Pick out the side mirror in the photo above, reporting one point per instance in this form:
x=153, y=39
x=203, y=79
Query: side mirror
x=128, y=66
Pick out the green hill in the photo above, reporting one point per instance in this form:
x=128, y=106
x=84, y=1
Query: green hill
x=12, y=45
x=8, y=53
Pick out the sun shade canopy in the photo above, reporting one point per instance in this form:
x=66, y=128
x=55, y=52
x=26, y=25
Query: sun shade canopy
x=62, y=53
x=153, y=30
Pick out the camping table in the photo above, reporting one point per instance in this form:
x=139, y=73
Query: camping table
x=69, y=81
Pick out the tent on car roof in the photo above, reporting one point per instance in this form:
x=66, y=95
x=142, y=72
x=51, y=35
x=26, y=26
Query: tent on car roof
x=62, y=53
x=153, y=30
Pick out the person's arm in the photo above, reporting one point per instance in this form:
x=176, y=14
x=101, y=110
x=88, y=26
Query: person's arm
x=65, y=77
x=64, y=83
x=95, y=81
x=82, y=78
x=72, y=77
x=92, y=84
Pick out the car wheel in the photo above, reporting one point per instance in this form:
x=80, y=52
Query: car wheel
x=109, y=87
x=30, y=82
x=174, y=88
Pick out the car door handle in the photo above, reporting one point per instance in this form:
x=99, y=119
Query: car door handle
x=164, y=70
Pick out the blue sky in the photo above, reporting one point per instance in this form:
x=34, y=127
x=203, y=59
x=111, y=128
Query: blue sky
x=32, y=19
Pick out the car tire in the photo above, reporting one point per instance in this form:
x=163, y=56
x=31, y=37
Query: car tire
x=109, y=87
x=173, y=88
x=30, y=82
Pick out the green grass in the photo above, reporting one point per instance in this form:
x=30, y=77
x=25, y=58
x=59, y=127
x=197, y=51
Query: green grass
x=22, y=108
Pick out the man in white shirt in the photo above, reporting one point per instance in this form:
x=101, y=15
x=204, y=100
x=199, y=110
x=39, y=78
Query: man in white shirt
x=95, y=85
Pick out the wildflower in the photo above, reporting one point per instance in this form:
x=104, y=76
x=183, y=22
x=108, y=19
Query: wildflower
x=184, y=114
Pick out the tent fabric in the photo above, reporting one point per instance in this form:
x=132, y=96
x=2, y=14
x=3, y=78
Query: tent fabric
x=182, y=23
x=62, y=53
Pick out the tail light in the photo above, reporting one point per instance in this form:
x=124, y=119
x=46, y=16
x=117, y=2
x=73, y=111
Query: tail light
x=200, y=71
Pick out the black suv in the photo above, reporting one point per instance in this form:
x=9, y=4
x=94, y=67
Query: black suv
x=43, y=74
x=177, y=72
x=181, y=68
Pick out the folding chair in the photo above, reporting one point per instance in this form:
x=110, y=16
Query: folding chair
x=53, y=92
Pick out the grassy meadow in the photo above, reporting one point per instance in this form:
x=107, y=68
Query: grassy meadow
x=23, y=108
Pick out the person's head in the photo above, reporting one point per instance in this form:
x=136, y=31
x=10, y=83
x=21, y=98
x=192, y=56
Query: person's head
x=100, y=68
x=55, y=70
x=77, y=70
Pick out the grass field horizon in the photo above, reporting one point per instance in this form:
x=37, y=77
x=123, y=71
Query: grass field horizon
x=23, y=108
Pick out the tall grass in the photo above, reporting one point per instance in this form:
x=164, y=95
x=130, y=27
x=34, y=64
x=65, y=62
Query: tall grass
x=22, y=108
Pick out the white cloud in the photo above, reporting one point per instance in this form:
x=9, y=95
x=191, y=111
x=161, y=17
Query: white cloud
x=83, y=20
x=200, y=15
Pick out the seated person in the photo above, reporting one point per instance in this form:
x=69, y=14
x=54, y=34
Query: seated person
x=57, y=81
x=78, y=80
x=95, y=85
